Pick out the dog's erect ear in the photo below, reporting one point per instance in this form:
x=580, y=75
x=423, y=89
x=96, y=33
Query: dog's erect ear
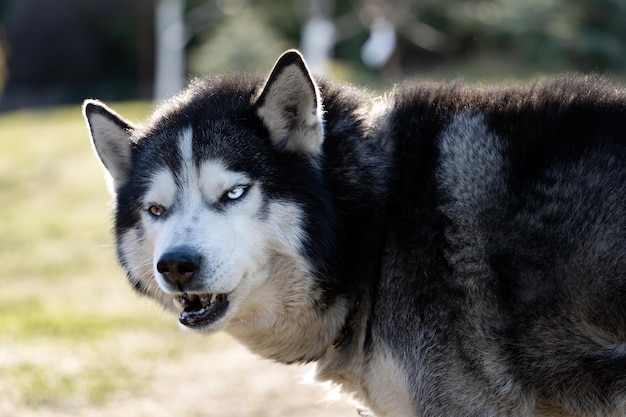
x=111, y=138
x=290, y=106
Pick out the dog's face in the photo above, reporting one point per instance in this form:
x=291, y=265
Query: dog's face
x=205, y=237
x=210, y=196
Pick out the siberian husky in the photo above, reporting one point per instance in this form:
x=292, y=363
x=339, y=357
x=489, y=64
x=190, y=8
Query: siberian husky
x=443, y=250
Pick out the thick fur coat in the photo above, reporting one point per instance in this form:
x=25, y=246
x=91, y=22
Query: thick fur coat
x=446, y=250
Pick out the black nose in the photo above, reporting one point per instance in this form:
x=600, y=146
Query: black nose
x=179, y=266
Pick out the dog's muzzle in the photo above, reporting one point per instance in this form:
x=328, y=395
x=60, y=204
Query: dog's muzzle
x=179, y=267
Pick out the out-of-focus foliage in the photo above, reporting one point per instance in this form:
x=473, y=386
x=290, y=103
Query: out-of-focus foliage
x=63, y=50
x=227, y=46
x=475, y=39
x=535, y=35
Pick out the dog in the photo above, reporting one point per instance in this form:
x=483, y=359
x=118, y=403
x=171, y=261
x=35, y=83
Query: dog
x=442, y=250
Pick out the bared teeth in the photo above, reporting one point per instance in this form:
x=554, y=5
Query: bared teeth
x=195, y=302
x=200, y=309
x=206, y=299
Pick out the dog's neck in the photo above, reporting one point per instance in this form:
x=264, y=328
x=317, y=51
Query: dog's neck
x=285, y=326
x=302, y=338
x=343, y=363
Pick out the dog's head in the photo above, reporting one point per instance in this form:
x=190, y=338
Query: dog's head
x=214, y=196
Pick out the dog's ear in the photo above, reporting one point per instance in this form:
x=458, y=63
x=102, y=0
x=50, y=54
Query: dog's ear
x=111, y=138
x=290, y=106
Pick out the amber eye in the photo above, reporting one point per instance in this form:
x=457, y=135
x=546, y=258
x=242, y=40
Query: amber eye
x=156, y=210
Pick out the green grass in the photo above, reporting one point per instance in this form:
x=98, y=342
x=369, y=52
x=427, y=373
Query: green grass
x=54, y=203
x=71, y=331
x=49, y=387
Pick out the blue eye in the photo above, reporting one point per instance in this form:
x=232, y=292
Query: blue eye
x=236, y=192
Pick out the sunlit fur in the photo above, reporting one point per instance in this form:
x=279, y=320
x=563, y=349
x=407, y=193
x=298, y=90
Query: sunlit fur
x=442, y=250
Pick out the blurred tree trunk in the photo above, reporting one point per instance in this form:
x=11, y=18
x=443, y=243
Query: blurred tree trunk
x=170, y=48
x=145, y=56
x=319, y=35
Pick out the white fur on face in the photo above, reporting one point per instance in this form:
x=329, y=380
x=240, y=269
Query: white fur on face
x=162, y=191
x=251, y=247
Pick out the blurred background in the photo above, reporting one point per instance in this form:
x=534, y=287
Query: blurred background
x=74, y=340
x=66, y=50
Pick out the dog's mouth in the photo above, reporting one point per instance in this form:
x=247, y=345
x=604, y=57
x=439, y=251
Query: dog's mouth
x=198, y=310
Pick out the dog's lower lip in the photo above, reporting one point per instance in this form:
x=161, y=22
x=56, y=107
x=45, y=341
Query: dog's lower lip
x=198, y=310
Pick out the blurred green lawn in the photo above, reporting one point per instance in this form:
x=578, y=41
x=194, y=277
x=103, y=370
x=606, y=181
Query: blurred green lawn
x=64, y=305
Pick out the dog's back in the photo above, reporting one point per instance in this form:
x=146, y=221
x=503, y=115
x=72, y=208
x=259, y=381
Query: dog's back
x=504, y=276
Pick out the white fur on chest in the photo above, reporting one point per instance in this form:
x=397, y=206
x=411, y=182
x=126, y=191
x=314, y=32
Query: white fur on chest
x=380, y=383
x=386, y=387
